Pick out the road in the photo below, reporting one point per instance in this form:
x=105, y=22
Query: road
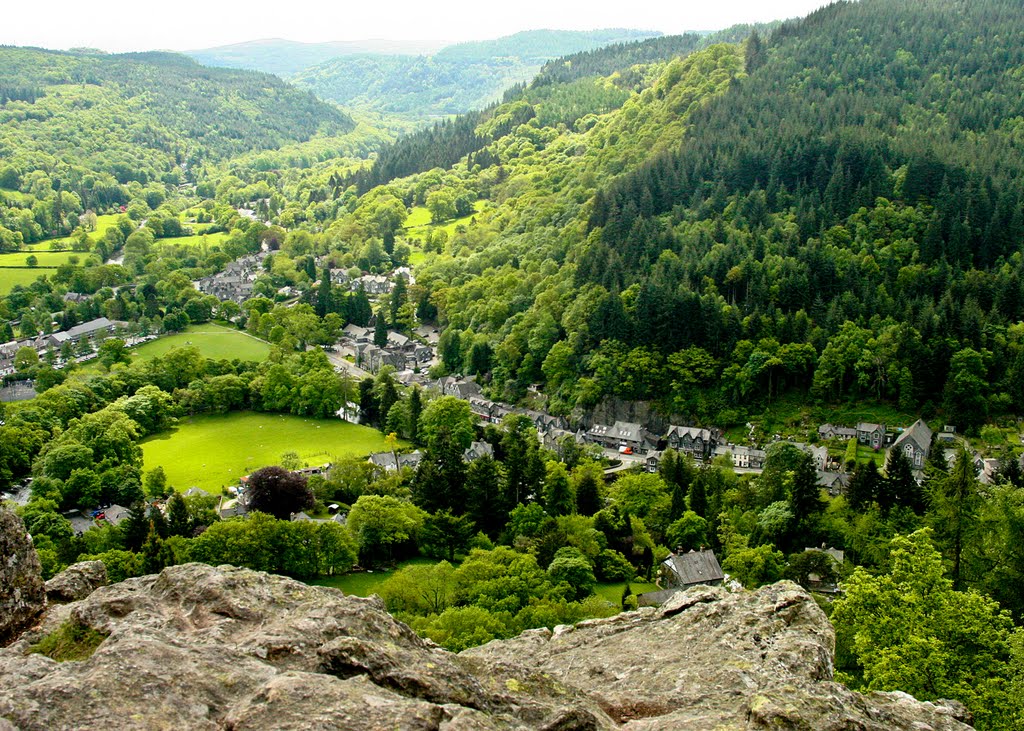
x=348, y=366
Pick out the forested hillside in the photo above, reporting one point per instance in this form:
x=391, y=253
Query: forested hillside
x=842, y=217
x=77, y=130
x=455, y=80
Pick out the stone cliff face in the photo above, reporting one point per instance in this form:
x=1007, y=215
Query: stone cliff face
x=22, y=596
x=198, y=647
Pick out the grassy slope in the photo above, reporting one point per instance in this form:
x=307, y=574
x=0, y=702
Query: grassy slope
x=213, y=451
x=214, y=341
x=197, y=239
x=365, y=583
x=11, y=277
x=44, y=258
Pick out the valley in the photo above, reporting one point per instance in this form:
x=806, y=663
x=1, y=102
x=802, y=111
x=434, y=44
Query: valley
x=522, y=332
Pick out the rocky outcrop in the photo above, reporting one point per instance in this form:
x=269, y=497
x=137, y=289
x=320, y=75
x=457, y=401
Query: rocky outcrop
x=76, y=582
x=22, y=597
x=199, y=647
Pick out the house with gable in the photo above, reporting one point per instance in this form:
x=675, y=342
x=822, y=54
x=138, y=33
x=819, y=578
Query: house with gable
x=477, y=450
x=827, y=432
x=873, y=435
x=915, y=442
x=698, y=443
x=622, y=434
x=682, y=571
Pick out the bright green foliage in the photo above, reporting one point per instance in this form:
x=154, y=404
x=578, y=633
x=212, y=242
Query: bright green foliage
x=384, y=527
x=573, y=568
x=910, y=630
x=303, y=549
x=688, y=533
x=558, y=495
x=756, y=566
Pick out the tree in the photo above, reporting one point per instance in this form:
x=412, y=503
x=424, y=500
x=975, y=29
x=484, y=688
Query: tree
x=447, y=430
x=955, y=503
x=380, y=329
x=25, y=359
x=756, y=566
x=384, y=527
x=179, y=521
x=524, y=465
x=324, y=297
x=689, y=532
x=277, y=492
x=899, y=486
x=572, y=567
x=485, y=495
x=911, y=630
x=804, y=493
x=863, y=487
x=558, y=497
x=677, y=471
x=445, y=534
x=111, y=351
x=587, y=484
x=965, y=396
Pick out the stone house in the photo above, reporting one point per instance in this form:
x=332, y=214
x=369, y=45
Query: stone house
x=827, y=432
x=620, y=434
x=681, y=571
x=698, y=443
x=873, y=435
x=743, y=457
x=477, y=450
x=915, y=442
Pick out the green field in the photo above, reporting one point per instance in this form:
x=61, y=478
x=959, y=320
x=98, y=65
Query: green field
x=418, y=223
x=11, y=277
x=365, y=583
x=612, y=593
x=214, y=451
x=102, y=224
x=196, y=239
x=43, y=258
x=214, y=341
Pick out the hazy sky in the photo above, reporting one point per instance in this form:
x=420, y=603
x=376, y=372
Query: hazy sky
x=129, y=25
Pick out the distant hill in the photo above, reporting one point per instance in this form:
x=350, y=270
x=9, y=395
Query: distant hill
x=284, y=57
x=456, y=79
x=141, y=116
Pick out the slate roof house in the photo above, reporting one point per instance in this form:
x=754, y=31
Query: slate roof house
x=742, y=457
x=477, y=450
x=681, y=571
x=684, y=570
x=872, y=435
x=85, y=330
x=620, y=434
x=831, y=431
x=387, y=460
x=915, y=441
x=699, y=443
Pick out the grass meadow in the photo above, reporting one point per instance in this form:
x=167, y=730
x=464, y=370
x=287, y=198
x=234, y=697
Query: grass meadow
x=212, y=340
x=214, y=451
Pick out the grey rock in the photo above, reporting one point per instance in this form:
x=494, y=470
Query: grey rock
x=76, y=582
x=711, y=659
x=200, y=647
x=22, y=597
